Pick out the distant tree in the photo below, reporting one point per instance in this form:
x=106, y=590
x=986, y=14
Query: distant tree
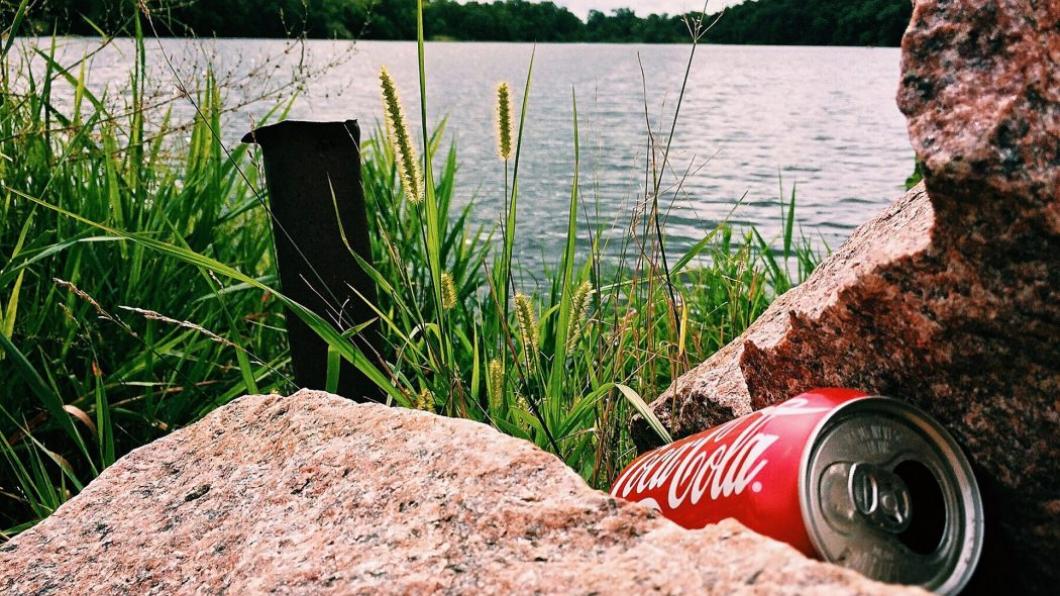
x=806, y=22
x=814, y=22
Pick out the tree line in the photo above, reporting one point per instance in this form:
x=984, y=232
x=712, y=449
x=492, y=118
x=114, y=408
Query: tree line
x=783, y=22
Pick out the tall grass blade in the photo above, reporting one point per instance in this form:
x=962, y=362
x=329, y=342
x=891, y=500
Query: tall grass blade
x=12, y=31
x=46, y=395
x=644, y=410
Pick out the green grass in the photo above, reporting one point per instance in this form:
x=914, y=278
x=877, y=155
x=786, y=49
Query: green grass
x=138, y=290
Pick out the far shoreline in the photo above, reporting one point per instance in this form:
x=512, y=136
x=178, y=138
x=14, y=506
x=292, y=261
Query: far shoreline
x=458, y=41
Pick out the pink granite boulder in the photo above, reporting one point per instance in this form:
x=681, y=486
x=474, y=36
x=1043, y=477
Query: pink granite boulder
x=314, y=494
x=950, y=298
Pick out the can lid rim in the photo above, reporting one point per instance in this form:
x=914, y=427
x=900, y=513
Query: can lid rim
x=955, y=582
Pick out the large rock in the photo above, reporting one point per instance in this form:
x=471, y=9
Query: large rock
x=950, y=298
x=312, y=493
x=981, y=89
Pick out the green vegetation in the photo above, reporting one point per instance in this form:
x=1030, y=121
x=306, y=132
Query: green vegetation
x=138, y=290
x=787, y=22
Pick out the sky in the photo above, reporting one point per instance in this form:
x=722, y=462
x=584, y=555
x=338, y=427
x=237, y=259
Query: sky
x=642, y=7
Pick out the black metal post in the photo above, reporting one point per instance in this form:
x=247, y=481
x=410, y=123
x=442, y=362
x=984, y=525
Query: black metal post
x=313, y=174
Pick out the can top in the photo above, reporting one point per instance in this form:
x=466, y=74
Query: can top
x=886, y=491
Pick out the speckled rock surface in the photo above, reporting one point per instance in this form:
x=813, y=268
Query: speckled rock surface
x=981, y=90
x=311, y=494
x=950, y=298
x=825, y=332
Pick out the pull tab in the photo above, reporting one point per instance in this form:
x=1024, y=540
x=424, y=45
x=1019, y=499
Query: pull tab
x=880, y=496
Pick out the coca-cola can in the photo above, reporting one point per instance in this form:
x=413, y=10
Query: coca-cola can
x=866, y=482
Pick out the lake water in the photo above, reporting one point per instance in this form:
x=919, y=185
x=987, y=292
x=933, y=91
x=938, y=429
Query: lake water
x=822, y=118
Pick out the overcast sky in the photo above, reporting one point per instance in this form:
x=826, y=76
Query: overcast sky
x=642, y=7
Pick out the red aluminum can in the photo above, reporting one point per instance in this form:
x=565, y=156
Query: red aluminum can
x=866, y=482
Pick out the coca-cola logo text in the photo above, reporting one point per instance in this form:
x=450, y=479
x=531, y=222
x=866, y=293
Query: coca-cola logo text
x=709, y=465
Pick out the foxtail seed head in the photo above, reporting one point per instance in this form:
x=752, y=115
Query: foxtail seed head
x=496, y=380
x=527, y=320
x=504, y=121
x=579, y=309
x=448, y=292
x=425, y=400
x=522, y=402
x=398, y=135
